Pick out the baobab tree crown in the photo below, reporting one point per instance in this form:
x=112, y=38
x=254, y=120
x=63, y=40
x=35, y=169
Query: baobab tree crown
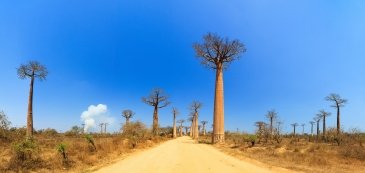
x=216, y=52
x=32, y=69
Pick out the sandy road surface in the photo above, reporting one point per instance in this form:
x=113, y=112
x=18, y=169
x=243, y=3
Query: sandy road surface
x=183, y=155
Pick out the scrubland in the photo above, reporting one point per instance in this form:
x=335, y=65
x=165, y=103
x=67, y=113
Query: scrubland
x=301, y=152
x=50, y=151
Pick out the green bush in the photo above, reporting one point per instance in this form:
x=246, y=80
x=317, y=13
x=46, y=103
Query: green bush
x=24, y=149
x=61, y=149
x=89, y=138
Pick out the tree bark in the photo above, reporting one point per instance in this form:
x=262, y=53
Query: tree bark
x=204, y=130
x=30, y=109
x=218, y=120
x=155, y=121
x=196, y=129
x=174, y=127
x=338, y=120
x=324, y=127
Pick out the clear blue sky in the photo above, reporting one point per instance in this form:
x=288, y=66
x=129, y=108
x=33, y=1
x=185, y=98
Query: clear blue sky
x=114, y=52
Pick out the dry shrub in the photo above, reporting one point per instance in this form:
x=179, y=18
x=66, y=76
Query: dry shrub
x=355, y=152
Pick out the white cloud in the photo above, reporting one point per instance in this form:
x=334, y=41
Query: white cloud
x=95, y=114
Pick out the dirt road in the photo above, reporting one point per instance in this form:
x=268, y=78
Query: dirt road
x=183, y=155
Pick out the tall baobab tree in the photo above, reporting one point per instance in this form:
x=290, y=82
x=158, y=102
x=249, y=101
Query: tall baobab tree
x=186, y=129
x=195, y=106
x=312, y=124
x=101, y=127
x=323, y=114
x=191, y=120
x=105, y=124
x=303, y=128
x=158, y=100
x=217, y=53
x=317, y=119
x=175, y=112
x=181, y=126
x=203, y=124
x=294, y=126
x=32, y=70
x=271, y=115
x=127, y=114
x=338, y=103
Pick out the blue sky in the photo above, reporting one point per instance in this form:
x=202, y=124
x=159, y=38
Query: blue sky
x=115, y=52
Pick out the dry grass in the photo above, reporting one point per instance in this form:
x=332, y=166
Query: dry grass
x=81, y=157
x=300, y=155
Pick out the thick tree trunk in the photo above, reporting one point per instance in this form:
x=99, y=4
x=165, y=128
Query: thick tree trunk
x=204, y=130
x=181, y=131
x=338, y=121
x=324, y=127
x=317, y=130
x=196, y=129
x=311, y=129
x=126, y=121
x=30, y=110
x=155, y=121
x=294, y=130
x=218, y=120
x=174, y=127
x=191, y=129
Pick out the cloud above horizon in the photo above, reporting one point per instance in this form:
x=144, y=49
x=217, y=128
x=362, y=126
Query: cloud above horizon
x=95, y=114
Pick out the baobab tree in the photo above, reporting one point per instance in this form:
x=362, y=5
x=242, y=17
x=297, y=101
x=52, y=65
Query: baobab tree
x=105, y=124
x=127, y=114
x=191, y=120
x=181, y=126
x=32, y=70
x=195, y=106
x=203, y=124
x=186, y=129
x=271, y=115
x=303, y=128
x=338, y=103
x=158, y=100
x=312, y=124
x=217, y=53
x=294, y=126
x=317, y=119
x=323, y=114
x=278, y=124
x=101, y=127
x=175, y=112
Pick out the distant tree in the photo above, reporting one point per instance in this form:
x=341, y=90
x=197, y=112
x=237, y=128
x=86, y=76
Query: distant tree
x=195, y=106
x=338, y=103
x=278, y=128
x=186, y=129
x=204, y=130
x=158, y=100
x=323, y=114
x=101, y=127
x=303, y=128
x=317, y=119
x=191, y=120
x=271, y=115
x=181, y=126
x=175, y=112
x=294, y=126
x=261, y=128
x=312, y=124
x=217, y=53
x=127, y=114
x=4, y=124
x=32, y=70
x=105, y=124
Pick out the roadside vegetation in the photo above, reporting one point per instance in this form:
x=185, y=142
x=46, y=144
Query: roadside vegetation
x=50, y=151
